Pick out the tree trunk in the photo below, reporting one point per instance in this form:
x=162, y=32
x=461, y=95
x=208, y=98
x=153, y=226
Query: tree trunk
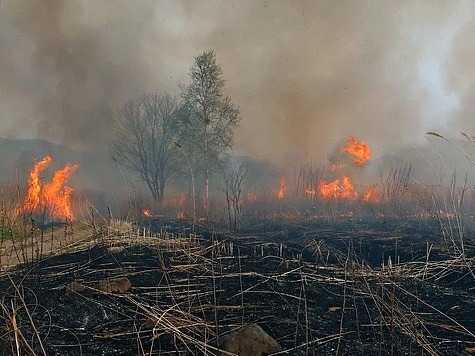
x=206, y=174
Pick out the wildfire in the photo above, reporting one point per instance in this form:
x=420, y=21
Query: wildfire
x=343, y=188
x=283, y=189
x=338, y=189
x=54, y=195
x=371, y=195
x=359, y=152
x=146, y=213
x=33, y=196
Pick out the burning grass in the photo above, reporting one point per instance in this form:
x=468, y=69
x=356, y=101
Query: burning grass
x=53, y=197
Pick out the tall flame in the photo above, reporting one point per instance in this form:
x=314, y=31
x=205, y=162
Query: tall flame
x=34, y=185
x=54, y=195
x=359, y=152
x=282, y=189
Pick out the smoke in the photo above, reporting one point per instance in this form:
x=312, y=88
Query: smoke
x=67, y=65
x=304, y=74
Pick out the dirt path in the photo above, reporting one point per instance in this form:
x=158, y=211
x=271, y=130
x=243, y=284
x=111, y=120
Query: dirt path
x=38, y=243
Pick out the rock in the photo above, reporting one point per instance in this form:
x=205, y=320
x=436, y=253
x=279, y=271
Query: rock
x=74, y=287
x=249, y=340
x=115, y=249
x=121, y=285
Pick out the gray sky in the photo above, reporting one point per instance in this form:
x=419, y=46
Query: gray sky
x=305, y=74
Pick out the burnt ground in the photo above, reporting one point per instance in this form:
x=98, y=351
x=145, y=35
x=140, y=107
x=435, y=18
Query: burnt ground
x=376, y=287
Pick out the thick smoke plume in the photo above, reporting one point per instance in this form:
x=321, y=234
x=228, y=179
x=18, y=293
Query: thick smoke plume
x=305, y=74
x=66, y=65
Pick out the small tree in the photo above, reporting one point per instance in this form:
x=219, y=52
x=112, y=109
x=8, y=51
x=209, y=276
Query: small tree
x=212, y=115
x=144, y=133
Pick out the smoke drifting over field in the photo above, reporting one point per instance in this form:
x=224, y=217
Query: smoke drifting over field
x=305, y=75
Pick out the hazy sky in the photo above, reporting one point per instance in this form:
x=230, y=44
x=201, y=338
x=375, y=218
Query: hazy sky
x=305, y=74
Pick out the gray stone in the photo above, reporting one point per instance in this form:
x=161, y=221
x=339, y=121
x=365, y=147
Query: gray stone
x=250, y=340
x=121, y=285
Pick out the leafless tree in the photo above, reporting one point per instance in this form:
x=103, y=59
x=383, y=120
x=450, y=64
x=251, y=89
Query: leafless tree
x=145, y=129
x=234, y=180
x=212, y=115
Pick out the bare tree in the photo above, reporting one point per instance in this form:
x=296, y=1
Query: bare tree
x=212, y=115
x=144, y=133
x=234, y=180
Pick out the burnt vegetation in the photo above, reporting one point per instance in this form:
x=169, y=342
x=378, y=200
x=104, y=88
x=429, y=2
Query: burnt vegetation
x=311, y=261
x=338, y=275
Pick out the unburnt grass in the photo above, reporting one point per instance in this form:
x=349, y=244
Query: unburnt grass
x=357, y=287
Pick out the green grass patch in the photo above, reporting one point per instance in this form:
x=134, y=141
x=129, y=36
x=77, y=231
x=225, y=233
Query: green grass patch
x=6, y=233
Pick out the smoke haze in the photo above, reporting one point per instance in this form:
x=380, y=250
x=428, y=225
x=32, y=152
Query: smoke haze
x=305, y=74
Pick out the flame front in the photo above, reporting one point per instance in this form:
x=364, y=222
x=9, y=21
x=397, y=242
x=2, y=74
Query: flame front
x=338, y=189
x=359, y=152
x=54, y=195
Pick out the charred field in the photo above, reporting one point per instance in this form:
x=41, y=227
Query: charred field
x=370, y=286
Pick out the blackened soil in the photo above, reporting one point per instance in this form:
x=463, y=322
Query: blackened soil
x=367, y=288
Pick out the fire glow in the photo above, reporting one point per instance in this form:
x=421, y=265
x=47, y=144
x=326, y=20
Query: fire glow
x=282, y=189
x=359, y=152
x=371, y=195
x=54, y=195
x=338, y=189
x=343, y=188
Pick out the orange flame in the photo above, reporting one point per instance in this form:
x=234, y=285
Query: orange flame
x=359, y=152
x=283, y=189
x=33, y=196
x=53, y=195
x=338, y=189
x=371, y=195
x=146, y=213
x=181, y=215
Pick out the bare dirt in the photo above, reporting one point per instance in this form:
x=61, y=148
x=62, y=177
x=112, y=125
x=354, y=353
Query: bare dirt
x=42, y=241
x=356, y=287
